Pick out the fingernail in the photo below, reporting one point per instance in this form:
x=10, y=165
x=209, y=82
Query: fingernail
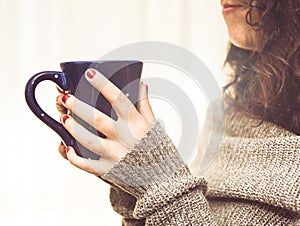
x=67, y=149
x=91, y=73
x=65, y=97
x=64, y=118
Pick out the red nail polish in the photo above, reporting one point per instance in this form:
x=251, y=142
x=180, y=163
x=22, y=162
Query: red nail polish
x=65, y=97
x=64, y=118
x=91, y=73
x=67, y=149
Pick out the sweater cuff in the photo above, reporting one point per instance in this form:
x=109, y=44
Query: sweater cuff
x=153, y=170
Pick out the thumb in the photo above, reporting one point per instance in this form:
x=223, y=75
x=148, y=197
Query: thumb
x=144, y=106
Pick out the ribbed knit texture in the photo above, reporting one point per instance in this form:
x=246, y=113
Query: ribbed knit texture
x=253, y=180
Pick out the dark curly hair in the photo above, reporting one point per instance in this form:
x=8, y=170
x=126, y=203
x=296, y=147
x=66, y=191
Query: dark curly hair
x=265, y=84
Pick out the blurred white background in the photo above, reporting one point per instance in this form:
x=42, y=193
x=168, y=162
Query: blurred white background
x=37, y=186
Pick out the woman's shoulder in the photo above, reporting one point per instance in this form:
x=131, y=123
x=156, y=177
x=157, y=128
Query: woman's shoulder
x=245, y=125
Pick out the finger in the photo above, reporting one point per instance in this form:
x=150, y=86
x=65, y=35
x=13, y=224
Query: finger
x=61, y=109
x=89, y=140
x=122, y=105
x=59, y=105
x=92, y=116
x=144, y=106
x=96, y=167
x=61, y=149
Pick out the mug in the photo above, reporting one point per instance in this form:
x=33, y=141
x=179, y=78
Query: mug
x=124, y=74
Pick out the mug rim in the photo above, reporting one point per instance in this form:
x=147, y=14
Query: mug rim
x=98, y=61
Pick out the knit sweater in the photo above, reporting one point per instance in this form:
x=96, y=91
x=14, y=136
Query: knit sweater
x=254, y=179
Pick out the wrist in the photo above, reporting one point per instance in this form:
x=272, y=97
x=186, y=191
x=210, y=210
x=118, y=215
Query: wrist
x=152, y=164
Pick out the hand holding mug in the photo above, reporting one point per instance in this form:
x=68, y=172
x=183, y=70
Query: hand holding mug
x=99, y=110
x=120, y=134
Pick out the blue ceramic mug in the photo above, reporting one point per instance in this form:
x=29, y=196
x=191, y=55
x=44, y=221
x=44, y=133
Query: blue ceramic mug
x=124, y=74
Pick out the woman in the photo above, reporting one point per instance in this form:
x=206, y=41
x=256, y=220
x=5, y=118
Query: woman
x=255, y=179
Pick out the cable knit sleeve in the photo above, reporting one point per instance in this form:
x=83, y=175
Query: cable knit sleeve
x=166, y=192
x=123, y=203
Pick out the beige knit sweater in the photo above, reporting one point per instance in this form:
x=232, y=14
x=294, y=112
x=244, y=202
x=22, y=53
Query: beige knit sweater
x=253, y=180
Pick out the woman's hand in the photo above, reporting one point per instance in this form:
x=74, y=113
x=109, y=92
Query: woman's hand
x=121, y=135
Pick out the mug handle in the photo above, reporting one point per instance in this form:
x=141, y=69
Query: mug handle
x=60, y=79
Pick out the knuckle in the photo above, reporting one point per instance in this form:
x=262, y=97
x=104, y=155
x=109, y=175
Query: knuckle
x=120, y=100
x=98, y=120
x=88, y=143
x=142, y=103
